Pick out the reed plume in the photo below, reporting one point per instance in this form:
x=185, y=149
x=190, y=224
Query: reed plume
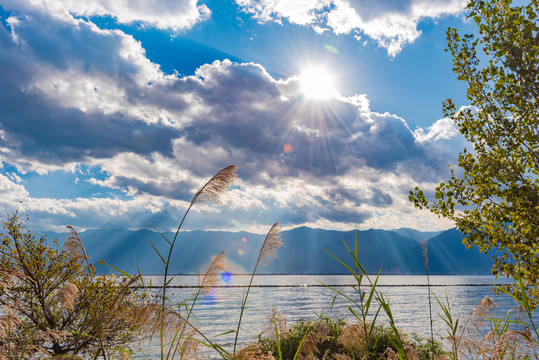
x=152, y=318
x=189, y=349
x=52, y=335
x=276, y=321
x=7, y=323
x=252, y=352
x=341, y=357
x=67, y=295
x=212, y=276
x=354, y=337
x=309, y=345
x=216, y=186
x=74, y=247
x=271, y=244
x=322, y=329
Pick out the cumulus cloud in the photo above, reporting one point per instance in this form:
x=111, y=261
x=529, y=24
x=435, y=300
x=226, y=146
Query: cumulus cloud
x=441, y=129
x=163, y=14
x=95, y=99
x=392, y=24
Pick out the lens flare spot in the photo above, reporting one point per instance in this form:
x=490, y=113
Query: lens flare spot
x=243, y=239
x=287, y=148
x=331, y=49
x=225, y=277
x=210, y=298
x=241, y=252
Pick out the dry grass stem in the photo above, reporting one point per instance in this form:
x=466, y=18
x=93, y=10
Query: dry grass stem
x=212, y=277
x=271, y=244
x=216, y=186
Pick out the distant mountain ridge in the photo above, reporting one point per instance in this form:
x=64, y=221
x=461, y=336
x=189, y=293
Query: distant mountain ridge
x=305, y=251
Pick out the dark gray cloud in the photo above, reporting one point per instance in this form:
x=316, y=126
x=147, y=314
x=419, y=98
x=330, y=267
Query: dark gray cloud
x=374, y=196
x=326, y=139
x=39, y=127
x=52, y=134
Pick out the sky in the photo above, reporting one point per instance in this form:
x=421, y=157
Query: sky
x=113, y=113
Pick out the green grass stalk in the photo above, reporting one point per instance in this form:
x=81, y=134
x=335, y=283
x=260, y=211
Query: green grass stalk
x=268, y=251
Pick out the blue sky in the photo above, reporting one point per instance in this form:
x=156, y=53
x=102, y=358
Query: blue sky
x=113, y=115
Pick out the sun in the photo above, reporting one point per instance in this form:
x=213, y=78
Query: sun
x=317, y=83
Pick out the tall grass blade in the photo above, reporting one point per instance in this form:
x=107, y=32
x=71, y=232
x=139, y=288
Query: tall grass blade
x=268, y=251
x=158, y=253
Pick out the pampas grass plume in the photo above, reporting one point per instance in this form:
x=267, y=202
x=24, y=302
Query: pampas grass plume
x=67, y=295
x=74, y=247
x=211, y=278
x=216, y=186
x=271, y=244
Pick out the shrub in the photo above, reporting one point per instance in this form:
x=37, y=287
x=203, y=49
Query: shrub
x=52, y=303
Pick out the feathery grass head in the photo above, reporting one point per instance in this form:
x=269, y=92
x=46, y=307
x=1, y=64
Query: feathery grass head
x=271, y=244
x=52, y=335
x=252, y=352
x=67, y=295
x=189, y=349
x=212, y=276
x=152, y=317
x=7, y=323
x=74, y=247
x=276, y=320
x=216, y=186
x=353, y=337
x=309, y=345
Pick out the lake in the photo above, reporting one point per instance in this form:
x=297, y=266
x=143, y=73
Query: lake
x=304, y=297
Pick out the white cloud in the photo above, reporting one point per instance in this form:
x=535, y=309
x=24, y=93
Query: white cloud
x=441, y=129
x=11, y=191
x=301, y=12
x=391, y=24
x=163, y=14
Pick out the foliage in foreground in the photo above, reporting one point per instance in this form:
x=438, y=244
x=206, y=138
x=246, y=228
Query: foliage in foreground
x=327, y=338
x=499, y=185
x=51, y=302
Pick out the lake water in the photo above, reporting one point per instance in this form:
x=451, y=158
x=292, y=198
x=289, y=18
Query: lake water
x=303, y=297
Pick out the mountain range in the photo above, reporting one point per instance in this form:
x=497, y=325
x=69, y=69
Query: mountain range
x=305, y=251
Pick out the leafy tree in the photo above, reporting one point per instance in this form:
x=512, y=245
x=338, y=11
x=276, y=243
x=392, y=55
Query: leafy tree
x=51, y=302
x=494, y=197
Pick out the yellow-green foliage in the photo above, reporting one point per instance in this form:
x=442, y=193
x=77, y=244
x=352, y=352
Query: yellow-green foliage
x=332, y=339
x=53, y=304
x=493, y=198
